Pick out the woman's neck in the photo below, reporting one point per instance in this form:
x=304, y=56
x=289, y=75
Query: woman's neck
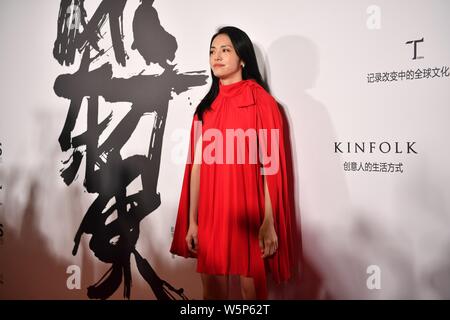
x=231, y=79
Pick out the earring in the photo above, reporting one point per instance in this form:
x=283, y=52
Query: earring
x=243, y=65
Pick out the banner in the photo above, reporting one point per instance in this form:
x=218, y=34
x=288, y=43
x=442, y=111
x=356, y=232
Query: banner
x=97, y=102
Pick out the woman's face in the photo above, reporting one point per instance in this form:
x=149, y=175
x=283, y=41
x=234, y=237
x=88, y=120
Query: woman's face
x=224, y=61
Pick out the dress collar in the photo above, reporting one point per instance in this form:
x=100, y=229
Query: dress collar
x=239, y=93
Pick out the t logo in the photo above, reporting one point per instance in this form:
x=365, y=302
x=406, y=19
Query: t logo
x=374, y=280
x=415, y=48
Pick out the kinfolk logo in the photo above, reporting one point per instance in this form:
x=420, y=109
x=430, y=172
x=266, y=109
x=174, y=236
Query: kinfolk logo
x=375, y=147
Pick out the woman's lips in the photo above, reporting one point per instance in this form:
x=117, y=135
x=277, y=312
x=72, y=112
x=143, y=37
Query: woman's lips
x=218, y=65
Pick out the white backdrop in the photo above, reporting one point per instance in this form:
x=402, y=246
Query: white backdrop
x=366, y=234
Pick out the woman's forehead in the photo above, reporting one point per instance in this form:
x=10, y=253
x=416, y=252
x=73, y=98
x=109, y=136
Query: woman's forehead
x=221, y=40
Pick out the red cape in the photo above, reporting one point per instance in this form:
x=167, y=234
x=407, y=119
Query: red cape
x=244, y=104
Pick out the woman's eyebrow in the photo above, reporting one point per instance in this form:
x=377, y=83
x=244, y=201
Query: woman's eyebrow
x=222, y=46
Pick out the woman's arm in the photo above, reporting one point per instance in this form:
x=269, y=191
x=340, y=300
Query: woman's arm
x=194, y=189
x=268, y=240
x=191, y=236
x=268, y=204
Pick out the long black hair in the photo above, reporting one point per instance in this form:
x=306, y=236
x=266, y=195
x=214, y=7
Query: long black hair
x=245, y=51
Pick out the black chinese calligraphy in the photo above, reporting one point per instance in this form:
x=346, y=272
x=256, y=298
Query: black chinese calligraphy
x=107, y=172
x=147, y=32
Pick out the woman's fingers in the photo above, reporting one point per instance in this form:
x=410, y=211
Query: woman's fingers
x=275, y=246
x=192, y=243
x=188, y=242
x=268, y=240
x=270, y=248
x=193, y=248
x=266, y=249
x=195, y=240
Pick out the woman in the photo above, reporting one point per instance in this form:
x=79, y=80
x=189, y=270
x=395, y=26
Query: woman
x=235, y=215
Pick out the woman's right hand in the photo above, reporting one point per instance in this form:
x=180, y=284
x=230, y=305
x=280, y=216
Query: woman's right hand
x=191, y=237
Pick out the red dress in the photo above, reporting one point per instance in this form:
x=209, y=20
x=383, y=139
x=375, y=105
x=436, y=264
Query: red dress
x=231, y=195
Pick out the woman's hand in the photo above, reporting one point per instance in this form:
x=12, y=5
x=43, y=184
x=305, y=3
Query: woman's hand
x=191, y=237
x=268, y=240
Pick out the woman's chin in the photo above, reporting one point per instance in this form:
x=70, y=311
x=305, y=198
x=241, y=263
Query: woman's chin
x=219, y=75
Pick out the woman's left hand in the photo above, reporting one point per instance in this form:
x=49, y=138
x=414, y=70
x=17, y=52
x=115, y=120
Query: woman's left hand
x=268, y=240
